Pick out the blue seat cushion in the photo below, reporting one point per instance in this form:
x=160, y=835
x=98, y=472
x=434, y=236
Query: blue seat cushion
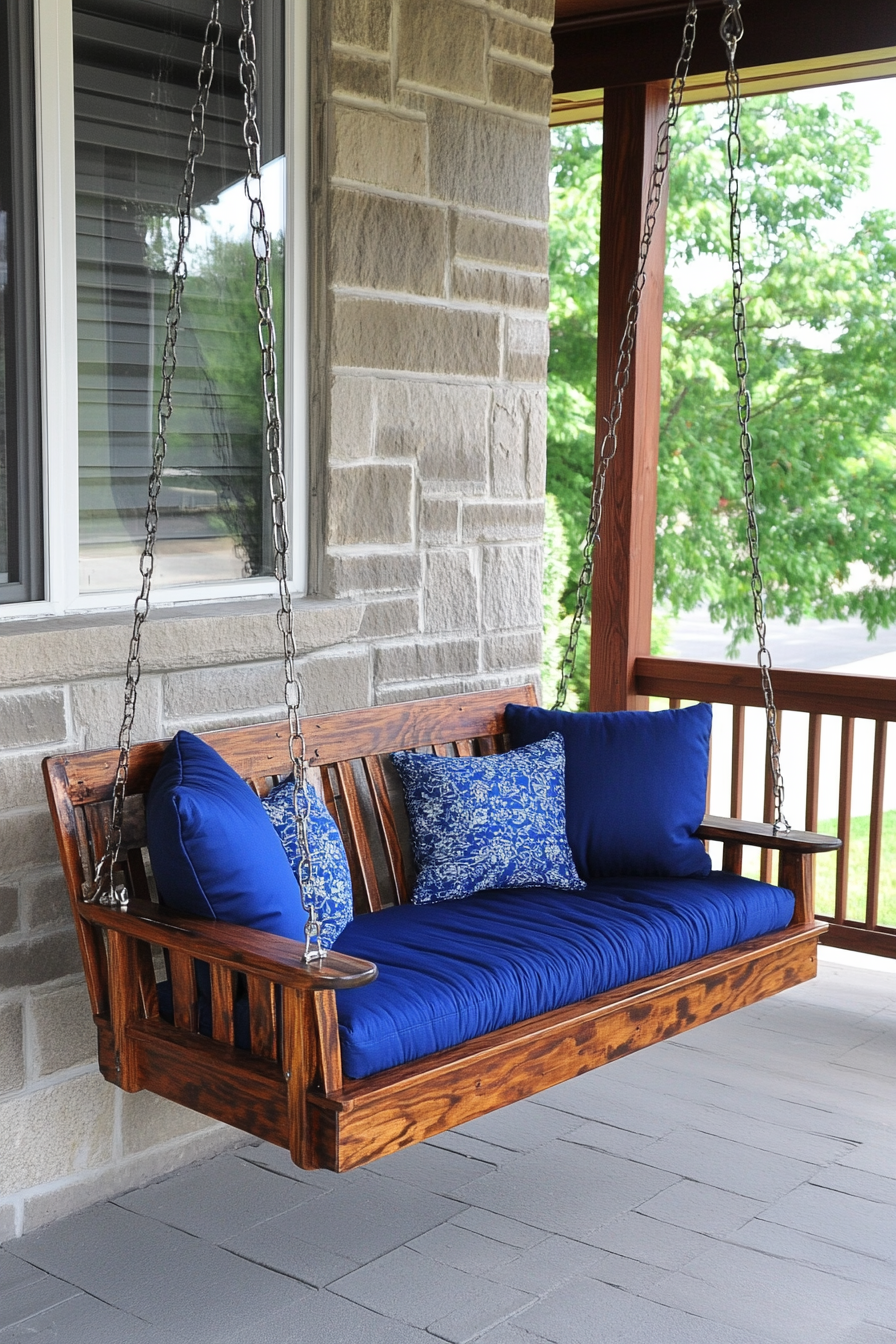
x=457, y=969
x=479, y=822
x=635, y=787
x=214, y=851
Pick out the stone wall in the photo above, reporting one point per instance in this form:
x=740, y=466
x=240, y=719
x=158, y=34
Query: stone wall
x=429, y=339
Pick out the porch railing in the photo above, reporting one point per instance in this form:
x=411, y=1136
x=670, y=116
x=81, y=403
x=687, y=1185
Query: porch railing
x=808, y=700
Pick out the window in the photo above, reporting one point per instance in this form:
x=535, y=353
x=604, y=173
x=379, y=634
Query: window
x=20, y=515
x=116, y=81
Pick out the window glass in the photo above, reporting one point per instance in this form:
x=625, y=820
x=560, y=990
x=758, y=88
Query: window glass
x=20, y=530
x=136, y=66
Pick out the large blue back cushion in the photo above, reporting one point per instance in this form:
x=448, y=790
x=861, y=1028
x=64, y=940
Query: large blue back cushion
x=635, y=787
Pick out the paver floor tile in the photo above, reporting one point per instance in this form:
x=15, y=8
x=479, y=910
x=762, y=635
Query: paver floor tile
x=326, y=1318
x=608, y=1139
x=743, y=1170
x=604, y=1098
x=735, y=1286
x=23, y=1300
x=218, y=1198
x=432, y=1168
x=14, y=1272
x=566, y=1188
x=879, y=1158
x=876, y=1056
x=276, y=1159
x=453, y=1141
x=858, y=1224
x=807, y=1249
x=548, y=1264
x=366, y=1219
x=415, y=1289
x=81, y=1319
x=702, y=1208
x=457, y=1246
x=520, y=1128
x=274, y=1245
x=656, y=1243
x=588, y=1312
x=852, y=1181
x=499, y=1228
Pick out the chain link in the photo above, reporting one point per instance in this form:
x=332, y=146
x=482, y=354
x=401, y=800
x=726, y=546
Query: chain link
x=732, y=30
x=103, y=890
x=267, y=340
x=609, y=442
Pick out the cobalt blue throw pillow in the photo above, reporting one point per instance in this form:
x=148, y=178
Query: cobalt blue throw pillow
x=488, y=821
x=331, y=883
x=214, y=851
x=635, y=787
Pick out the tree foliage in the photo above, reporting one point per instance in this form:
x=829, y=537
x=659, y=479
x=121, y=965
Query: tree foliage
x=821, y=315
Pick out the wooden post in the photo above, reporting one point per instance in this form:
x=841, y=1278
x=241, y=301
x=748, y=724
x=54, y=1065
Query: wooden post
x=622, y=599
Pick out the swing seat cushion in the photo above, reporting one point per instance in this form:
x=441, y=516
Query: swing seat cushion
x=635, y=787
x=488, y=821
x=452, y=971
x=214, y=851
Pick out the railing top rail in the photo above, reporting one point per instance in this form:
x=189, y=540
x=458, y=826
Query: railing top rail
x=839, y=693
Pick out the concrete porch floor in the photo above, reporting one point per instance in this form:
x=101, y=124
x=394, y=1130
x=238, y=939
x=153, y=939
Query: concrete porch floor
x=736, y=1185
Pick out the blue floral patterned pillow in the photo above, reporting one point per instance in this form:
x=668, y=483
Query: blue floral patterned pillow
x=331, y=886
x=488, y=821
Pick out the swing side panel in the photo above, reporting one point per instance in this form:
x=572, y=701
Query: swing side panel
x=289, y=1088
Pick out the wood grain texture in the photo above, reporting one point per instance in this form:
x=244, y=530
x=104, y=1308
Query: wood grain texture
x=622, y=596
x=835, y=693
x=739, y=831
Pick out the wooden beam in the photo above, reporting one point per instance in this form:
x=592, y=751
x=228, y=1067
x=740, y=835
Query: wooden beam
x=623, y=581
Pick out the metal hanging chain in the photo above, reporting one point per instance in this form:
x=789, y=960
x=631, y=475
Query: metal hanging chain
x=732, y=30
x=267, y=339
x=609, y=442
x=103, y=890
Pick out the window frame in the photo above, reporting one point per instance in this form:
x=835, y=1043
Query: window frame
x=57, y=267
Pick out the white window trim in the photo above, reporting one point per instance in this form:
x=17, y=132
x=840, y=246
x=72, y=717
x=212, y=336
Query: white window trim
x=55, y=123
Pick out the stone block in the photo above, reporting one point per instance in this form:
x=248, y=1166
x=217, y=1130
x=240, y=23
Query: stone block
x=7, y=1221
x=519, y=88
x=362, y=25
x=489, y=161
x=28, y=718
x=63, y=1029
x=371, y=505
x=419, y=338
x=56, y=1132
x=27, y=838
x=12, y=1048
x=443, y=425
x=360, y=78
x=97, y=708
x=422, y=690
x=417, y=659
x=21, y=781
x=441, y=45
x=511, y=587
x=396, y=616
x=336, y=681
x=44, y=898
x=541, y=10
x=503, y=520
x=526, y=349
x=510, y=434
x=148, y=1121
x=210, y=691
x=519, y=648
x=9, y=910
x=478, y=238
x=438, y=522
x=36, y=961
x=386, y=572
x=451, y=591
x=536, y=442
x=517, y=39
x=379, y=243
x=508, y=289
x=379, y=148
x=352, y=418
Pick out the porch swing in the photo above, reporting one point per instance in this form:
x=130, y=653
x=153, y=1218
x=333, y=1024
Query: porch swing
x=340, y=1053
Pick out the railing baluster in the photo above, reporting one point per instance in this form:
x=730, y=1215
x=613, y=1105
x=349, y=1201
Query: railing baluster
x=766, y=861
x=844, y=818
x=876, y=825
x=813, y=772
x=738, y=717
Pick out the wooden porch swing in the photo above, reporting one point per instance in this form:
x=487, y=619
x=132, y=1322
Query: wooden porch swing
x=285, y=1084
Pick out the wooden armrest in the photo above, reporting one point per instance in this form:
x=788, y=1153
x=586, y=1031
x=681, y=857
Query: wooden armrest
x=736, y=831
x=251, y=951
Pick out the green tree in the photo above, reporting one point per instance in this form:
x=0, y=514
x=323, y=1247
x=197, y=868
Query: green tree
x=822, y=340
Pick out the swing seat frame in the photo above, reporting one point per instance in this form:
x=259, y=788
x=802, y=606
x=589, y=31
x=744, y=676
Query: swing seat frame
x=289, y=1087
